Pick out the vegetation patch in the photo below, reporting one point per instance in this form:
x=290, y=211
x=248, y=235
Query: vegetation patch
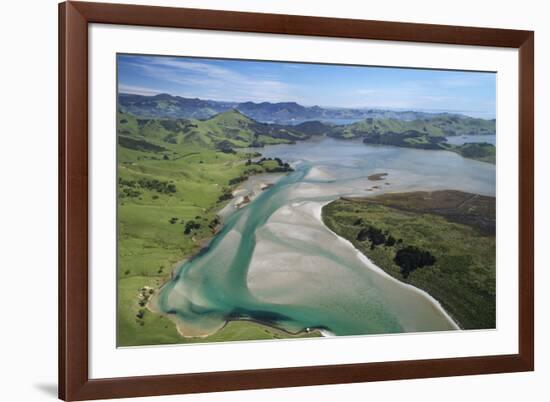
x=437, y=241
x=481, y=151
x=169, y=193
x=138, y=144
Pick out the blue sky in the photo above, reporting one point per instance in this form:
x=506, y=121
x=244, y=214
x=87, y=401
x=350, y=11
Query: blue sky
x=471, y=93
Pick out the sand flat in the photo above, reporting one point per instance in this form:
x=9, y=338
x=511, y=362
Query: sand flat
x=298, y=260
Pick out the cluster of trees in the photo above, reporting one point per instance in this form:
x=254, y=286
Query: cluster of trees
x=408, y=258
x=214, y=223
x=144, y=296
x=190, y=226
x=419, y=139
x=238, y=179
x=227, y=194
x=477, y=150
x=163, y=187
x=375, y=235
x=139, y=145
x=129, y=192
x=281, y=166
x=411, y=258
x=193, y=225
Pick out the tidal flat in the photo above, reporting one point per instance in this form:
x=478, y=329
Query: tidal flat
x=456, y=229
x=258, y=217
x=276, y=263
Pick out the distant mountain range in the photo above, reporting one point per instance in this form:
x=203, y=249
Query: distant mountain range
x=177, y=107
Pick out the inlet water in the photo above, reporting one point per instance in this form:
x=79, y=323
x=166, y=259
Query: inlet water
x=276, y=263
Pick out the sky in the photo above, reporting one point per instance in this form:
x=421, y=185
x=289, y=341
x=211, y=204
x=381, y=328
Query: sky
x=325, y=85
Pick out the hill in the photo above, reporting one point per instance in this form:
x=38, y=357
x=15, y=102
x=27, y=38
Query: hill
x=435, y=126
x=233, y=129
x=166, y=106
x=170, y=190
x=223, y=131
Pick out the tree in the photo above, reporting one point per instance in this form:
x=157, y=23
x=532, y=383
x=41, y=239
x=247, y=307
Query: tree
x=189, y=226
x=226, y=195
x=375, y=235
x=411, y=258
x=390, y=241
x=214, y=222
x=362, y=235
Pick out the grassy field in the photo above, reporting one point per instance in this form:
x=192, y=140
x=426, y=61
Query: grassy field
x=174, y=175
x=483, y=152
x=160, y=330
x=450, y=226
x=224, y=131
x=168, y=197
x=437, y=126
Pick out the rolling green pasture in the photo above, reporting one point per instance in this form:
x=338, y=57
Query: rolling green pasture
x=168, y=198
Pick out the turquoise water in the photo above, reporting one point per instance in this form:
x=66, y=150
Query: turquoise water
x=275, y=262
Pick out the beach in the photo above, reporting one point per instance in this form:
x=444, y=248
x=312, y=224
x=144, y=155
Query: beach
x=280, y=275
x=275, y=262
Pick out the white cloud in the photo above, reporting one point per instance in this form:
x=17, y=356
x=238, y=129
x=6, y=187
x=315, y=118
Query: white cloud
x=208, y=78
x=131, y=89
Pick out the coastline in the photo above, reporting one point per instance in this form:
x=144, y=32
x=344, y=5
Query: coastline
x=316, y=210
x=307, y=332
x=365, y=260
x=251, y=189
x=369, y=264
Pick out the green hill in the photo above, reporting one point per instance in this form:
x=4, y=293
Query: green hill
x=437, y=126
x=232, y=130
x=480, y=151
x=224, y=131
x=169, y=194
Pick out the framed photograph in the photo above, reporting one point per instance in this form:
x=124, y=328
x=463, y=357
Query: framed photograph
x=260, y=200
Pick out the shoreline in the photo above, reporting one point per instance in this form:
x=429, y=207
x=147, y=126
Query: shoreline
x=244, y=188
x=232, y=206
x=153, y=307
x=371, y=265
x=317, y=213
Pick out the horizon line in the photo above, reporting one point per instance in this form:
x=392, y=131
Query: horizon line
x=379, y=108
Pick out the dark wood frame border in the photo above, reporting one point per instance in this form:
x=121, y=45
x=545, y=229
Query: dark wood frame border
x=74, y=17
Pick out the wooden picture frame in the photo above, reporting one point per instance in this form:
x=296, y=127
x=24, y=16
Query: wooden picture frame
x=74, y=381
